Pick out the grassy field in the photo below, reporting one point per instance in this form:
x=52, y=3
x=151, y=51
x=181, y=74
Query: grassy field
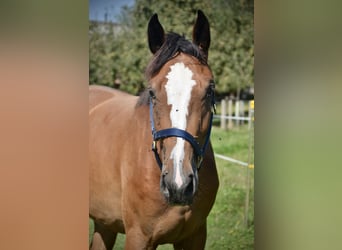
x=226, y=229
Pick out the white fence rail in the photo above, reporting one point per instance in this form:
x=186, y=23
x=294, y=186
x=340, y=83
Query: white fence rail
x=224, y=117
x=238, y=116
x=250, y=118
x=245, y=164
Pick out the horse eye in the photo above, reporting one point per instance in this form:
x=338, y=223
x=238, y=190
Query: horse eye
x=152, y=94
x=210, y=90
x=212, y=84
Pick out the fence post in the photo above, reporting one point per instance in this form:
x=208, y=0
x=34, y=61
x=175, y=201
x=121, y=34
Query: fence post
x=248, y=184
x=230, y=113
x=237, y=111
x=242, y=110
x=223, y=114
x=251, y=107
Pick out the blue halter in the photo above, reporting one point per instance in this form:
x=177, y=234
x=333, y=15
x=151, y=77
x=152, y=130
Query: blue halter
x=175, y=132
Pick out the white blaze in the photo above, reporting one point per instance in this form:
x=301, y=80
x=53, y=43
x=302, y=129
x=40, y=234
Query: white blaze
x=178, y=90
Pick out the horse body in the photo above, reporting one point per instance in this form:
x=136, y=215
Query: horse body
x=128, y=192
x=105, y=176
x=115, y=194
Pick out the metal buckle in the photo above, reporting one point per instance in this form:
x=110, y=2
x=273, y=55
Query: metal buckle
x=214, y=108
x=200, y=159
x=154, y=145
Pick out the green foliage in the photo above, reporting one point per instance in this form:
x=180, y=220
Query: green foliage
x=101, y=55
x=232, y=52
x=122, y=53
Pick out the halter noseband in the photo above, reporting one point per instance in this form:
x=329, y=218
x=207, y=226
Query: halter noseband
x=176, y=132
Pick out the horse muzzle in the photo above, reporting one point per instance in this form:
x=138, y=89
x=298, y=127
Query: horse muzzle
x=178, y=192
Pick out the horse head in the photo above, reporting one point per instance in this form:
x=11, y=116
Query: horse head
x=181, y=90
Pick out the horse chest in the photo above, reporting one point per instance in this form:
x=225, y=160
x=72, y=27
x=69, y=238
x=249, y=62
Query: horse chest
x=177, y=223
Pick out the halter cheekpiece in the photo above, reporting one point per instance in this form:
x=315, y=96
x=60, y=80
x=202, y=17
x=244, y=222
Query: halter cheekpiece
x=176, y=132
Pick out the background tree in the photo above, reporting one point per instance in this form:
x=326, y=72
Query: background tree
x=122, y=54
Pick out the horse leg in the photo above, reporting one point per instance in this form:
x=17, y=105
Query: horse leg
x=103, y=238
x=195, y=241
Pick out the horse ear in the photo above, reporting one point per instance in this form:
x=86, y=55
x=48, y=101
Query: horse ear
x=155, y=34
x=201, y=32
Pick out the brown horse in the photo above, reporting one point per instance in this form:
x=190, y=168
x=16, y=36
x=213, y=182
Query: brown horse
x=161, y=193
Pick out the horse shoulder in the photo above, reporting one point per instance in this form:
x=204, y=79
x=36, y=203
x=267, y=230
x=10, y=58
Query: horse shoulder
x=100, y=94
x=109, y=110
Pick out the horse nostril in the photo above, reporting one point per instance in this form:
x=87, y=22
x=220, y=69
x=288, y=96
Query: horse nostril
x=163, y=185
x=190, y=187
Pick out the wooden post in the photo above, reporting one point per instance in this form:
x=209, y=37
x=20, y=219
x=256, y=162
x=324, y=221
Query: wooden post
x=242, y=110
x=251, y=105
x=237, y=110
x=223, y=114
x=230, y=113
x=248, y=182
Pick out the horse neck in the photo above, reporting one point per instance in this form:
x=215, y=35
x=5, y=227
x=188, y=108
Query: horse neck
x=142, y=123
x=142, y=141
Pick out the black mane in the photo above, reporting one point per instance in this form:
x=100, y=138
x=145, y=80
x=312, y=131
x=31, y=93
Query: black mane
x=173, y=45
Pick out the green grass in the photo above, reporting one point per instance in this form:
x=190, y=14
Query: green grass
x=226, y=229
